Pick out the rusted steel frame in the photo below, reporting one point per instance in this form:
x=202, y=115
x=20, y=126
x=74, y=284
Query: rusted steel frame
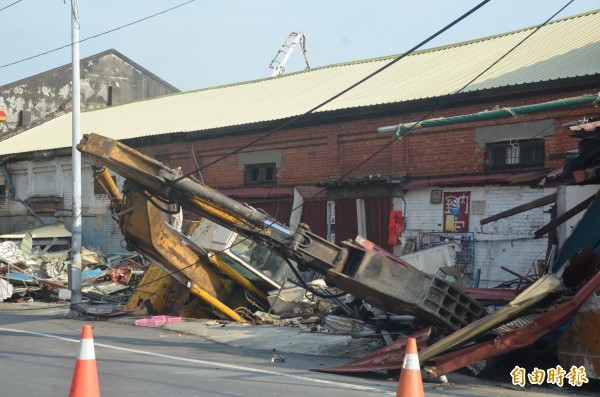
x=492, y=295
x=519, y=338
x=146, y=231
x=549, y=199
x=563, y=217
x=389, y=357
x=164, y=182
x=169, y=185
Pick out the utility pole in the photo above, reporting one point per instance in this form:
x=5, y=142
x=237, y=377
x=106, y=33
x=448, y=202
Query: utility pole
x=75, y=265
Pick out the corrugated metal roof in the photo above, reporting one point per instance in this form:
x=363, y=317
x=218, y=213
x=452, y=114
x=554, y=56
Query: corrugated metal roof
x=562, y=49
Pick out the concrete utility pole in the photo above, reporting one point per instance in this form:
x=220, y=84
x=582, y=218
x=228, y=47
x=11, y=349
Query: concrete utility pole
x=75, y=266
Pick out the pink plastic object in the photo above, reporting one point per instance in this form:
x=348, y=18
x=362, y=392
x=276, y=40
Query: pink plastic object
x=167, y=319
x=149, y=322
x=156, y=321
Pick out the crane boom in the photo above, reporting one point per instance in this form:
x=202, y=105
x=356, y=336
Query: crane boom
x=284, y=52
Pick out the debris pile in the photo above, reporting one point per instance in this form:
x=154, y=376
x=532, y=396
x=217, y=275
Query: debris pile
x=32, y=273
x=242, y=270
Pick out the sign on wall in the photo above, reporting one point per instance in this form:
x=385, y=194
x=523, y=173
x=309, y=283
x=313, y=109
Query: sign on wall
x=456, y=211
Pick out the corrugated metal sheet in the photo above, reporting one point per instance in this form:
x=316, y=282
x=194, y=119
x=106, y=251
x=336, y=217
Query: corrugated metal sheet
x=59, y=231
x=563, y=49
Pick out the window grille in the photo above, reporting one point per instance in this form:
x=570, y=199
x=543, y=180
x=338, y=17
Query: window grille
x=260, y=174
x=515, y=154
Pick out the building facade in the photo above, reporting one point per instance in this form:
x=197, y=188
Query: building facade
x=108, y=78
x=427, y=187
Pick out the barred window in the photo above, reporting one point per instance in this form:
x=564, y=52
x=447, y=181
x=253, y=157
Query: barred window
x=515, y=154
x=260, y=174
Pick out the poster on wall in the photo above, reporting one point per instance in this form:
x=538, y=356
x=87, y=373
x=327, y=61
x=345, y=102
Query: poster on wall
x=456, y=211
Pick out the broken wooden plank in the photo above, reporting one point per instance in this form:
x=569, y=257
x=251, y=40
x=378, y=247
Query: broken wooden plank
x=549, y=199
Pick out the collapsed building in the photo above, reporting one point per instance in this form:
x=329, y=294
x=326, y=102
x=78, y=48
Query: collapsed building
x=445, y=182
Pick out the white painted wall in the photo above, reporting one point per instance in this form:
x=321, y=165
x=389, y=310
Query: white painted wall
x=508, y=242
x=568, y=197
x=54, y=177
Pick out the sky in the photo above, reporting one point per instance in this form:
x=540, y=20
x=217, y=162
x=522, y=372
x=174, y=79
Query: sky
x=207, y=43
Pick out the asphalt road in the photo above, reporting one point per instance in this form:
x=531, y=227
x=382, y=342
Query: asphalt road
x=38, y=350
x=38, y=353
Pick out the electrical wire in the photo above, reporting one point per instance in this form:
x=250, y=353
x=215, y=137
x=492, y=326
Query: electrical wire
x=12, y=4
x=436, y=108
x=95, y=36
x=287, y=123
x=410, y=130
x=385, y=146
x=334, y=97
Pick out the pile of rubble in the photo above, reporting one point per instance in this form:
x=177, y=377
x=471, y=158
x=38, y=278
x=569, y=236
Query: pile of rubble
x=30, y=273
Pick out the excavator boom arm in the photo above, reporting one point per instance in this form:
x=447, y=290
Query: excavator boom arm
x=359, y=270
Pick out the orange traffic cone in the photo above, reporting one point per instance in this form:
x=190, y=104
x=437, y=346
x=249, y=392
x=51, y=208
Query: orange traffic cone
x=410, y=384
x=85, y=376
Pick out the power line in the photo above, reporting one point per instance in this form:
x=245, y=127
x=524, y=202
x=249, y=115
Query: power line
x=339, y=94
x=314, y=109
x=11, y=4
x=387, y=144
x=95, y=36
x=410, y=130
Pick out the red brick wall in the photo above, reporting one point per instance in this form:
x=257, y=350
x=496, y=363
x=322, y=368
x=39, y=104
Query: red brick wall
x=324, y=153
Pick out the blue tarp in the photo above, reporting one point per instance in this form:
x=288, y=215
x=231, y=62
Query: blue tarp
x=585, y=235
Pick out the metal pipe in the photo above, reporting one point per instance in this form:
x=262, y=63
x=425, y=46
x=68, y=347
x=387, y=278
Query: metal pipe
x=235, y=276
x=220, y=306
x=104, y=178
x=493, y=114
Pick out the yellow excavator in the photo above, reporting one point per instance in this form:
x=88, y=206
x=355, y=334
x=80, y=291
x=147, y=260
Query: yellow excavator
x=152, y=192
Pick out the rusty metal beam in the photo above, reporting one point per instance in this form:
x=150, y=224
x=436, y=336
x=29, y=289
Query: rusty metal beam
x=519, y=276
x=492, y=295
x=549, y=199
x=564, y=217
x=390, y=357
